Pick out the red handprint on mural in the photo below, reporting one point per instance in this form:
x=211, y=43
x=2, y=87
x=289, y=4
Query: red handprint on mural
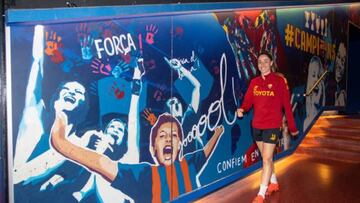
x=82, y=31
x=151, y=31
x=100, y=68
x=149, y=116
x=53, y=42
x=126, y=58
x=179, y=32
x=107, y=29
x=159, y=93
x=215, y=67
x=118, y=93
x=150, y=64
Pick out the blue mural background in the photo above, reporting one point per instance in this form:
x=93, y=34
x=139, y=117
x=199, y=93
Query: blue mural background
x=202, y=43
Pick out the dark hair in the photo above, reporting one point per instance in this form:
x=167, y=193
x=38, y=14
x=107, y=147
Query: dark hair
x=119, y=121
x=121, y=146
x=273, y=67
x=164, y=118
x=267, y=54
x=78, y=115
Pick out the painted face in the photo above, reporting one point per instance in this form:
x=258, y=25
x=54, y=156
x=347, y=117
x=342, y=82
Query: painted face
x=70, y=96
x=340, y=62
x=167, y=143
x=175, y=107
x=313, y=74
x=116, y=129
x=264, y=64
x=315, y=71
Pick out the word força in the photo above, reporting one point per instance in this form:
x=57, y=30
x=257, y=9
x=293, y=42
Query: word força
x=115, y=45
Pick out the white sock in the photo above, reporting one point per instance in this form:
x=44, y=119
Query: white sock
x=273, y=178
x=262, y=190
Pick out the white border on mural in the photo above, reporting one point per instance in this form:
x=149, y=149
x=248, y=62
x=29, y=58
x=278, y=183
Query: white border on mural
x=9, y=114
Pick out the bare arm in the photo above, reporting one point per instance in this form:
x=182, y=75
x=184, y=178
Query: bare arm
x=31, y=128
x=88, y=158
x=36, y=72
x=133, y=154
x=209, y=147
x=45, y=162
x=195, y=96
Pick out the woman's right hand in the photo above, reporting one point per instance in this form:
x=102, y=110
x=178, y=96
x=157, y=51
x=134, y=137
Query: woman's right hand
x=240, y=113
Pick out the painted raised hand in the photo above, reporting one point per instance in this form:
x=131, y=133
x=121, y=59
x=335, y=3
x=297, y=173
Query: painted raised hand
x=149, y=116
x=82, y=31
x=176, y=65
x=86, y=44
x=120, y=68
x=53, y=42
x=173, y=63
x=159, y=93
x=151, y=31
x=86, y=40
x=100, y=68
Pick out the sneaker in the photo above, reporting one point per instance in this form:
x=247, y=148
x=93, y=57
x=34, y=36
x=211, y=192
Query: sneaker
x=258, y=199
x=272, y=187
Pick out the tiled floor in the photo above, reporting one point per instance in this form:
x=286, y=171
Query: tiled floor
x=302, y=178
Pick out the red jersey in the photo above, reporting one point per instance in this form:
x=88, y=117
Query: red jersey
x=269, y=97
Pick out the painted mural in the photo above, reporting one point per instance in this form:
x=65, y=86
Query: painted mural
x=158, y=97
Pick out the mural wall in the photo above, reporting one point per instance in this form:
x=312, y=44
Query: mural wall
x=158, y=96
